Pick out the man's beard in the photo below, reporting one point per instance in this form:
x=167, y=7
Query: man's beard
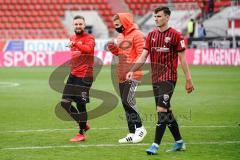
x=78, y=32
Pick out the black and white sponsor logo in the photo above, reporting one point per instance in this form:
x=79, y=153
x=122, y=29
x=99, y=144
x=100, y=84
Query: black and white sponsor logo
x=160, y=49
x=182, y=43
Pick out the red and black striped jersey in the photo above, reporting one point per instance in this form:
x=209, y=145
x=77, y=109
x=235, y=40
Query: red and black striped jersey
x=163, y=48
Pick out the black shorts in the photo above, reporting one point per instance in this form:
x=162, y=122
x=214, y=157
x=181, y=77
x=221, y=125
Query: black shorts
x=163, y=92
x=77, y=89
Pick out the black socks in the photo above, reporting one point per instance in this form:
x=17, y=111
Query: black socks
x=79, y=114
x=166, y=119
x=160, y=127
x=83, y=117
x=173, y=126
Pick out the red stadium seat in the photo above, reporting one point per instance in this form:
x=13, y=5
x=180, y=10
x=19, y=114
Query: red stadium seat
x=2, y=26
x=28, y=25
x=31, y=18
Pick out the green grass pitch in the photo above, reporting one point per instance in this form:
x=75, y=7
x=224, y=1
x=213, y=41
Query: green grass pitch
x=29, y=129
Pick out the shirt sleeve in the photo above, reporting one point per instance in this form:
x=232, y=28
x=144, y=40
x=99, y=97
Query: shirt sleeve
x=180, y=43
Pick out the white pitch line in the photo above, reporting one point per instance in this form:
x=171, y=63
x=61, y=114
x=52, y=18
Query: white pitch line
x=210, y=126
x=52, y=130
x=115, y=145
x=64, y=129
x=9, y=84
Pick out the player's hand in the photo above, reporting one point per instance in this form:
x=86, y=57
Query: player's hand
x=129, y=75
x=70, y=44
x=189, y=86
x=111, y=46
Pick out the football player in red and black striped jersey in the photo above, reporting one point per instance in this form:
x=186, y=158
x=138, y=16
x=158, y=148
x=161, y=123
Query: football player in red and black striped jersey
x=164, y=45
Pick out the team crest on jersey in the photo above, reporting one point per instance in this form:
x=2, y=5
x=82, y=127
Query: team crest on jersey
x=166, y=97
x=167, y=39
x=84, y=96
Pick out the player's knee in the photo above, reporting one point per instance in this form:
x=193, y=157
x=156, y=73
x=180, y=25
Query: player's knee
x=161, y=109
x=163, y=117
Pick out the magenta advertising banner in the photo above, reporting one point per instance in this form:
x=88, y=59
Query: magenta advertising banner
x=29, y=59
x=213, y=56
x=229, y=57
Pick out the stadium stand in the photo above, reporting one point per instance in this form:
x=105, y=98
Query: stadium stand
x=179, y=20
x=141, y=7
x=34, y=19
x=43, y=19
x=220, y=23
x=95, y=24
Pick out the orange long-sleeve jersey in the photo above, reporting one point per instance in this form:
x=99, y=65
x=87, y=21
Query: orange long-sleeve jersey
x=82, y=54
x=130, y=45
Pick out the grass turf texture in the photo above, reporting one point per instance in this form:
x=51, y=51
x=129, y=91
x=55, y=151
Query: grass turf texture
x=214, y=107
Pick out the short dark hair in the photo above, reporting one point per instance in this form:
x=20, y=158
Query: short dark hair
x=165, y=10
x=116, y=17
x=79, y=17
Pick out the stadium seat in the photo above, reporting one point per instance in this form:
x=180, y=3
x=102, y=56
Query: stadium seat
x=138, y=6
x=45, y=14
